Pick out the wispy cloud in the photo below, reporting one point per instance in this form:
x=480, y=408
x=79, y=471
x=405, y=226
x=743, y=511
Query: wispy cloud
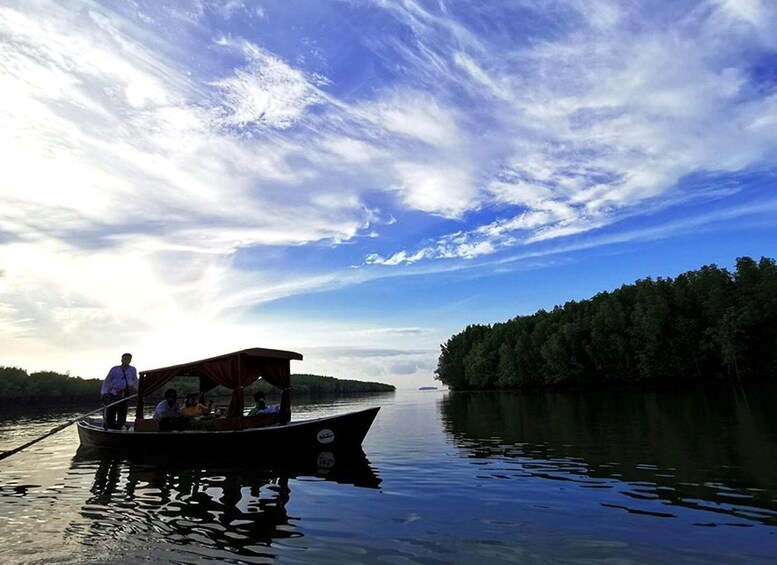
x=153, y=156
x=267, y=92
x=380, y=363
x=607, y=117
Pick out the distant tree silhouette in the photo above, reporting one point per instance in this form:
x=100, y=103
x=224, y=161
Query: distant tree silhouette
x=43, y=386
x=16, y=385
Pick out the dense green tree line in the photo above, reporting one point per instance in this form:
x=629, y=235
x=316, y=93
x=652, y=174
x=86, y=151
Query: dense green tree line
x=45, y=386
x=318, y=384
x=300, y=384
x=708, y=324
x=17, y=385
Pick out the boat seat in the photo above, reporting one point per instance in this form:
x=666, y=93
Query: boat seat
x=146, y=425
x=220, y=424
x=262, y=420
x=247, y=422
x=175, y=424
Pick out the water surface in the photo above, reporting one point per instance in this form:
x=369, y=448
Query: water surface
x=683, y=477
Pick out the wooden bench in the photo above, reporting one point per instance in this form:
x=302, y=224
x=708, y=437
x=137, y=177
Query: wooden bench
x=146, y=425
x=219, y=424
x=247, y=422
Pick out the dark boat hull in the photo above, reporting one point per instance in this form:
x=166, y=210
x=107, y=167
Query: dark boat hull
x=344, y=431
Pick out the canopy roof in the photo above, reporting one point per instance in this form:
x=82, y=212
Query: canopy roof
x=232, y=370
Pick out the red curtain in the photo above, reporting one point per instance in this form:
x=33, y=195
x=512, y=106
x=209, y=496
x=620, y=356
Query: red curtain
x=274, y=371
x=234, y=371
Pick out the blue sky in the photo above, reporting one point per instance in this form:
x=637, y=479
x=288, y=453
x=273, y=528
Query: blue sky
x=359, y=180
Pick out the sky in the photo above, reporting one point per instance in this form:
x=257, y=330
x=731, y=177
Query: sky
x=358, y=180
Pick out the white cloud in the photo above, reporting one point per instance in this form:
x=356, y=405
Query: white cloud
x=743, y=17
x=268, y=92
x=352, y=151
x=402, y=367
x=610, y=117
x=125, y=198
x=96, y=128
x=160, y=158
x=438, y=188
x=414, y=115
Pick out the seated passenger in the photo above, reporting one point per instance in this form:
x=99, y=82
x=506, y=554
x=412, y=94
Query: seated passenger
x=201, y=400
x=260, y=405
x=168, y=408
x=194, y=408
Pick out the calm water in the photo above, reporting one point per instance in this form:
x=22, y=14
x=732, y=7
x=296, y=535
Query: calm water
x=662, y=477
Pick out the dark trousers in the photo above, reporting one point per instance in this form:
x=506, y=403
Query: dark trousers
x=115, y=416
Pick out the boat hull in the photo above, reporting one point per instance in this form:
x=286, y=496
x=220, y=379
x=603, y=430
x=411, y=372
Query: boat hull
x=344, y=431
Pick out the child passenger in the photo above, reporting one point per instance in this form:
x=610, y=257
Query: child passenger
x=260, y=405
x=194, y=407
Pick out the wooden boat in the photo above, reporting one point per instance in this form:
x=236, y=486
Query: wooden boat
x=271, y=433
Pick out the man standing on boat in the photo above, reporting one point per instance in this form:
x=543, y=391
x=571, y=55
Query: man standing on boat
x=122, y=381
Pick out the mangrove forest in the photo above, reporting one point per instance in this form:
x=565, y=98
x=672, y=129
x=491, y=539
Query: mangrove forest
x=46, y=387
x=704, y=325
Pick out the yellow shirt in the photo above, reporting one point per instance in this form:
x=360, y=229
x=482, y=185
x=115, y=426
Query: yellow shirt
x=194, y=411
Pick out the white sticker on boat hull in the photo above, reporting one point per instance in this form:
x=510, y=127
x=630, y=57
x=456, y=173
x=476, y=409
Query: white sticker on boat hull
x=325, y=436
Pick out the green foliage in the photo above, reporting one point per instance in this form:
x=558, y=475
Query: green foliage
x=300, y=384
x=44, y=386
x=317, y=384
x=704, y=325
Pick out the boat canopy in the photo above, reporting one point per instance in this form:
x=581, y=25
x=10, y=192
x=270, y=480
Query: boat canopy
x=233, y=370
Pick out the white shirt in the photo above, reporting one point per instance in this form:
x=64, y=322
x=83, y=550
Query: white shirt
x=119, y=379
x=164, y=410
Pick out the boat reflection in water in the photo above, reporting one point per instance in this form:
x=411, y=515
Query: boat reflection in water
x=210, y=509
x=707, y=455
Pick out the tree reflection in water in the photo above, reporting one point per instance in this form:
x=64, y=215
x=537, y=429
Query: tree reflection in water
x=236, y=506
x=713, y=450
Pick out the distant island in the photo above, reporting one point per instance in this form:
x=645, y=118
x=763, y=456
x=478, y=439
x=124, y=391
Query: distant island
x=428, y=388
x=705, y=325
x=17, y=386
